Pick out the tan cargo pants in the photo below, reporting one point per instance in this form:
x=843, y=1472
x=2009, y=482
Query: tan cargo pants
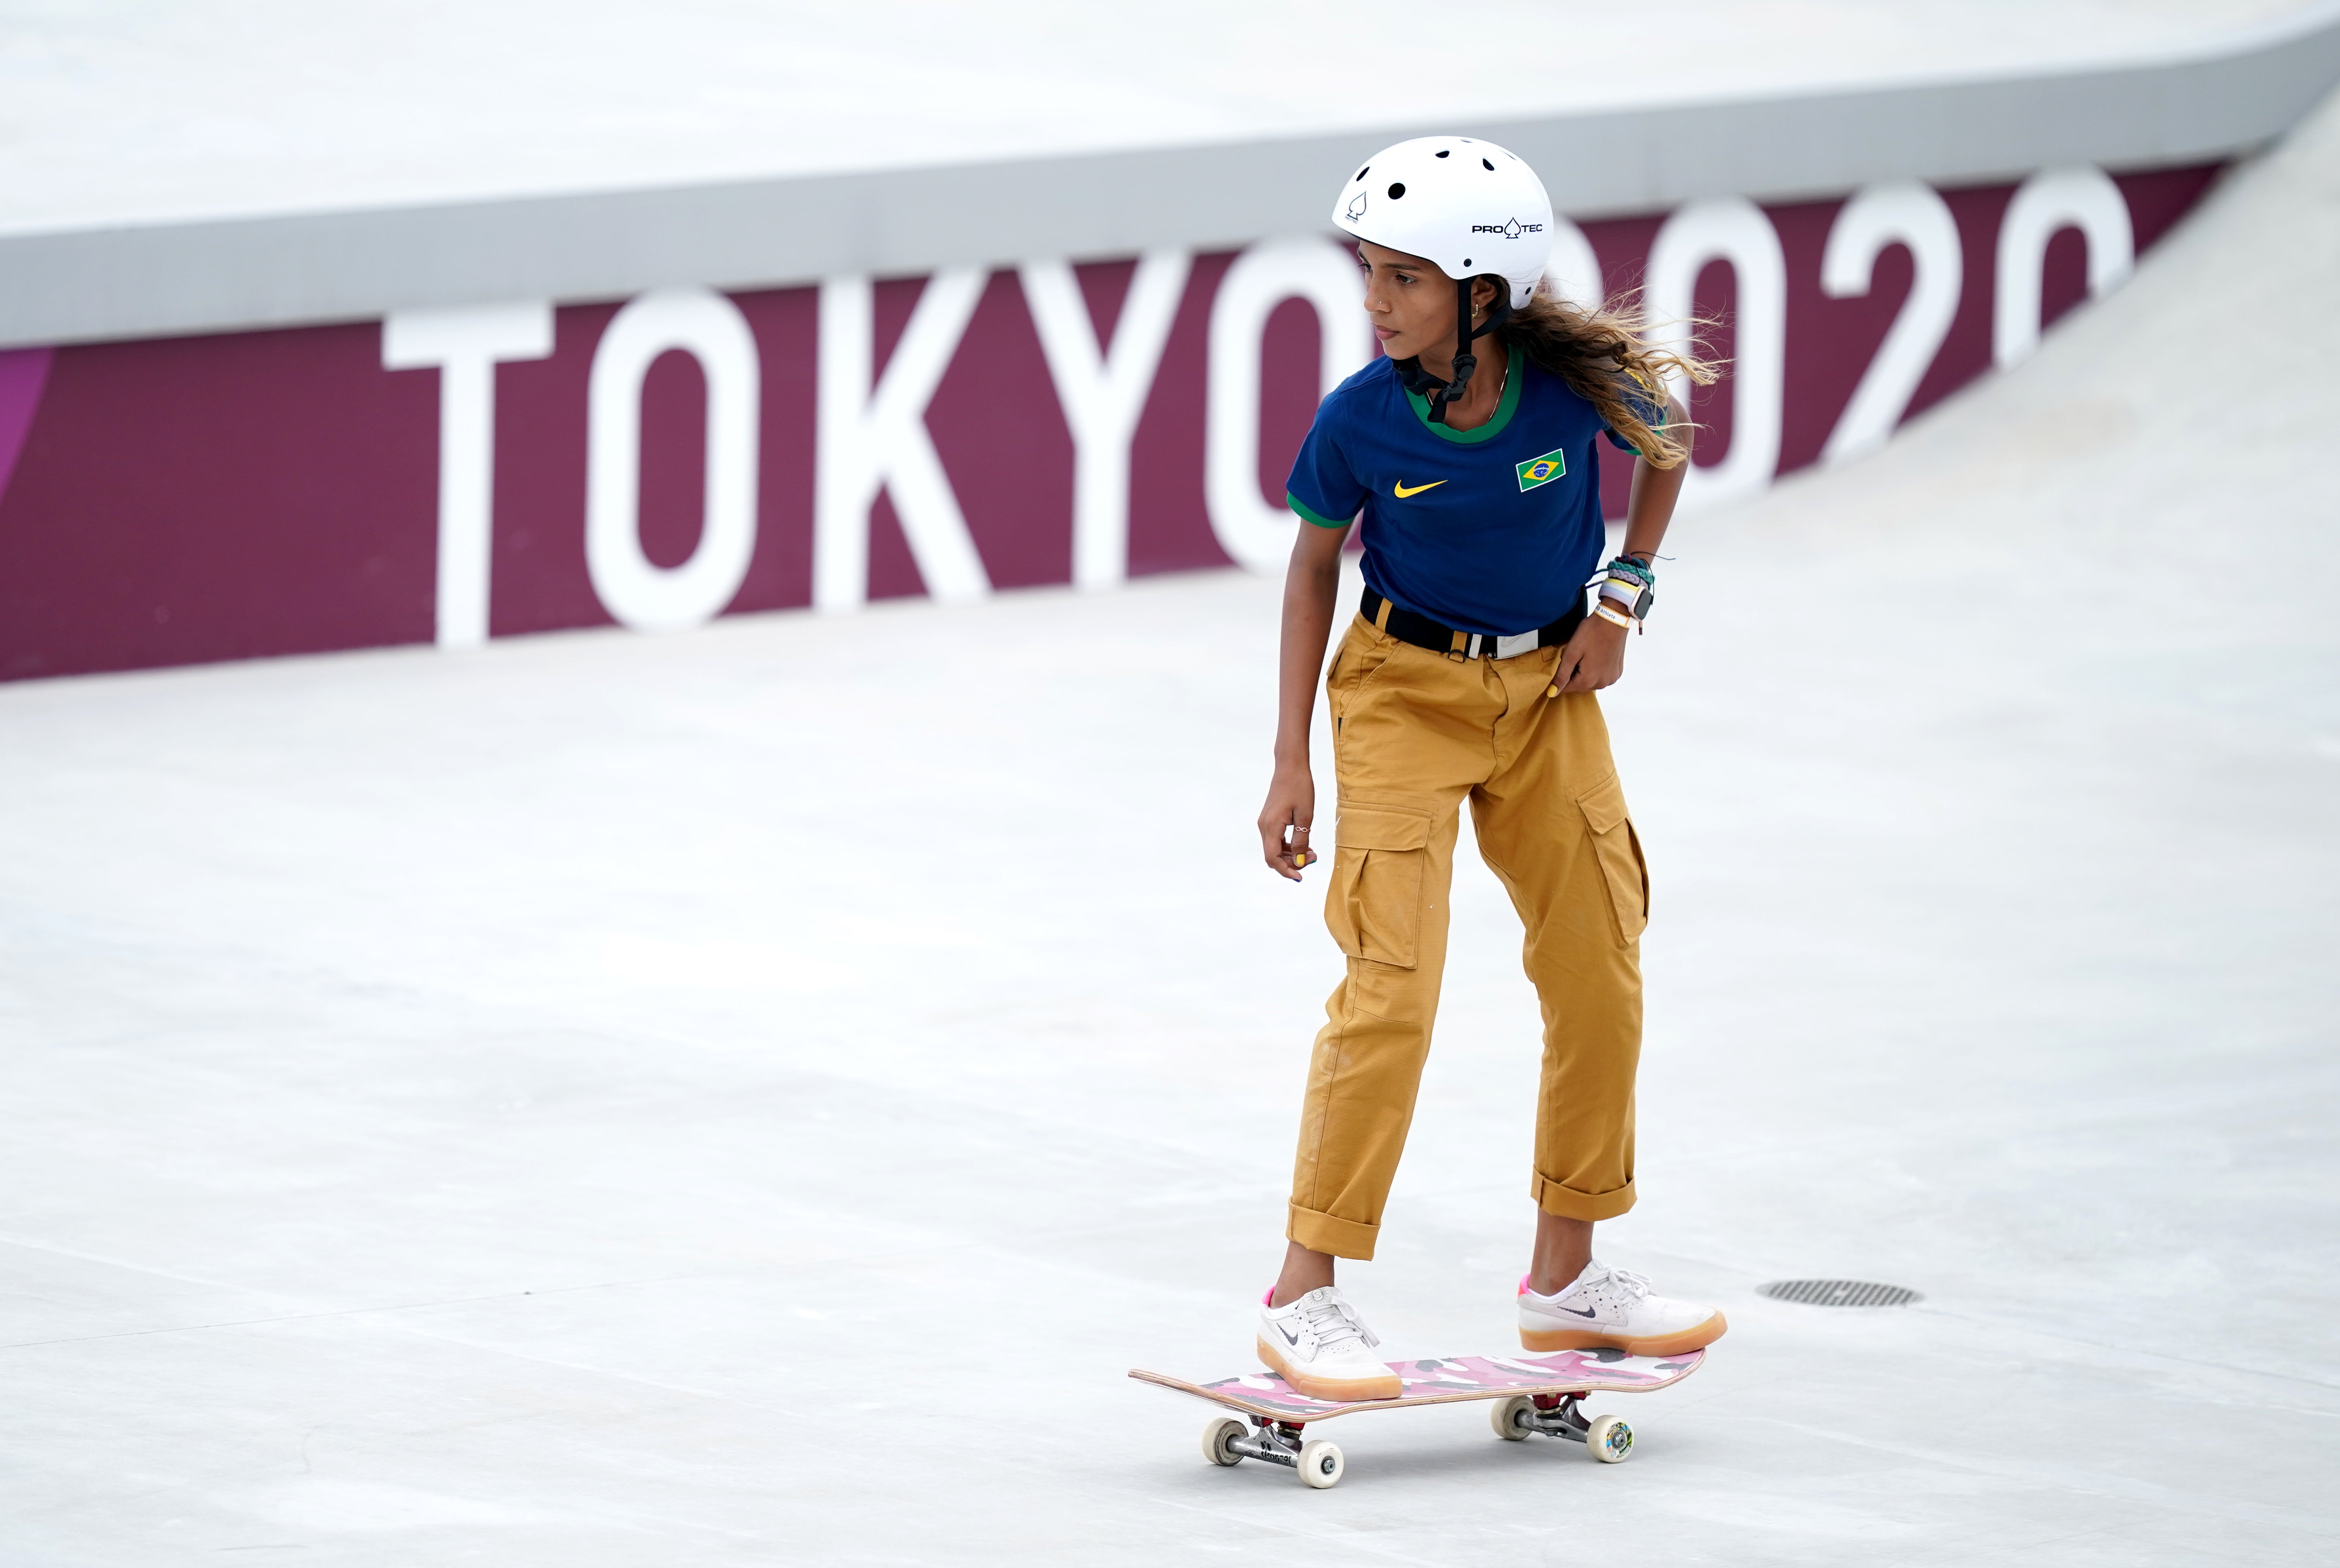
x=1414, y=732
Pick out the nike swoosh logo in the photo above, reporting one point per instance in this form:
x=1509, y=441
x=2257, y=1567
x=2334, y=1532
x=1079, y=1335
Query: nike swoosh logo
x=1403, y=492
x=1289, y=1337
x=1578, y=1311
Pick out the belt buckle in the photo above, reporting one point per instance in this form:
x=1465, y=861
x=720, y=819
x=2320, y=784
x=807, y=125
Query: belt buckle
x=1520, y=642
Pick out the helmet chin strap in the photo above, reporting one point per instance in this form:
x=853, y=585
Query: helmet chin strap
x=1443, y=393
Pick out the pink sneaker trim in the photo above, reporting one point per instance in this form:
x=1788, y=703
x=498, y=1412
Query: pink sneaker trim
x=1523, y=1285
x=1268, y=1300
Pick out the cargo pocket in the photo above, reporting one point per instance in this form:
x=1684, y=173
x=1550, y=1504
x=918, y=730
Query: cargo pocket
x=1619, y=851
x=1374, y=905
x=1355, y=662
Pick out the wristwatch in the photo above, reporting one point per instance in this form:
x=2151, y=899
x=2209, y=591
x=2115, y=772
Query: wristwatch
x=1636, y=596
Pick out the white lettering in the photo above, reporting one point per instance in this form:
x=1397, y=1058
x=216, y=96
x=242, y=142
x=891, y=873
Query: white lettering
x=1734, y=230
x=2082, y=197
x=1574, y=272
x=1103, y=392
x=465, y=344
x=1258, y=535
x=1899, y=212
x=635, y=591
x=870, y=439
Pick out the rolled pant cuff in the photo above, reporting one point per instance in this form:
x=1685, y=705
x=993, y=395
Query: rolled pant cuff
x=1569, y=1203
x=1325, y=1232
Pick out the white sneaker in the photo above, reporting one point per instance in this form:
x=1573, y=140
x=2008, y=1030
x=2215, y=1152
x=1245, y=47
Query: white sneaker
x=1322, y=1348
x=1613, y=1308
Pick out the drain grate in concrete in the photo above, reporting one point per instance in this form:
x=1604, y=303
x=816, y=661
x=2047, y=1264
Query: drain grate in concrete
x=1839, y=1292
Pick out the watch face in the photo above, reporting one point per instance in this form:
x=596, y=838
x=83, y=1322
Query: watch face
x=1642, y=605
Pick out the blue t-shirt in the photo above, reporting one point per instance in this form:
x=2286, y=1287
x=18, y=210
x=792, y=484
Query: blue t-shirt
x=1491, y=530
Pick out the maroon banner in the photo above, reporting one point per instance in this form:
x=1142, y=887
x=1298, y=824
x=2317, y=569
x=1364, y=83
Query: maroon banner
x=188, y=500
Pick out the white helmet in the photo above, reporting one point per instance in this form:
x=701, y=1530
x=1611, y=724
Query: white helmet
x=1471, y=209
x=1470, y=206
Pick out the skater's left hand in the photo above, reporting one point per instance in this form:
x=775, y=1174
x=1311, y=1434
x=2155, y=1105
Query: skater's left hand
x=1595, y=656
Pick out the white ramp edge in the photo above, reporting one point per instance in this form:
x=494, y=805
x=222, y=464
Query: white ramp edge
x=71, y=281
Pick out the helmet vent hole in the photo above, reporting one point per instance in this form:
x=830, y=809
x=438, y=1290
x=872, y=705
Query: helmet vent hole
x=1486, y=166
x=1363, y=171
x=1446, y=151
x=1396, y=191
x=1466, y=261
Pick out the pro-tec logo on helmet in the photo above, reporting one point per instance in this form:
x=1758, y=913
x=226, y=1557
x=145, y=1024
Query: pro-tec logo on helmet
x=1510, y=231
x=1357, y=207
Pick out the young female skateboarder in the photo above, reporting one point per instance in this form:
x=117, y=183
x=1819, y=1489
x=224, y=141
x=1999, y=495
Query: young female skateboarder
x=1467, y=453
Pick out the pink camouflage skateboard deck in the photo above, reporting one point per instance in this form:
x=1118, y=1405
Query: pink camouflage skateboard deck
x=1539, y=1394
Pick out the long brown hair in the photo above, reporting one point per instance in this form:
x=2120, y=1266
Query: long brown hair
x=1606, y=357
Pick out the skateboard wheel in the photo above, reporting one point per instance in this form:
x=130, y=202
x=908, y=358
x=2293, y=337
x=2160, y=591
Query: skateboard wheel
x=1609, y=1439
x=1218, y=1438
x=1510, y=1418
x=1320, y=1463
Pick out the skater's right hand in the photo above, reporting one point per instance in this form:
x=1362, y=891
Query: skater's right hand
x=1283, y=821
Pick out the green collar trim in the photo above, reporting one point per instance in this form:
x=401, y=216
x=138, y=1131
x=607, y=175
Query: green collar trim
x=1493, y=427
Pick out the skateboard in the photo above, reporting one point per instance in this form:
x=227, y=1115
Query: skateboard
x=1535, y=1394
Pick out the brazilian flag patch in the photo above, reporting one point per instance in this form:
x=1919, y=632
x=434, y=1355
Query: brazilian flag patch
x=1543, y=469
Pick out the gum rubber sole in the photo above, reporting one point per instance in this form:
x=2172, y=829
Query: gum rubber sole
x=1331, y=1390
x=1698, y=1337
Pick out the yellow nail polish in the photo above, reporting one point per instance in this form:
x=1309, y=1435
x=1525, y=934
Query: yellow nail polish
x=1552, y=691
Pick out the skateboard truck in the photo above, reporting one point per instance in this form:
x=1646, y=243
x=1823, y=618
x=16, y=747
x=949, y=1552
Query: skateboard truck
x=1318, y=1463
x=1278, y=1442
x=1607, y=1437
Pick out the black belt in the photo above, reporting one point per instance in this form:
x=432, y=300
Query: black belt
x=1424, y=632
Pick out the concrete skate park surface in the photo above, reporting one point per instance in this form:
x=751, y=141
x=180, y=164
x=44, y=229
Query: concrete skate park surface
x=748, y=1097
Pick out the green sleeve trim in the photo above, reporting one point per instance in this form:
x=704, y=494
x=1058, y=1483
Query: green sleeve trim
x=1309, y=514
